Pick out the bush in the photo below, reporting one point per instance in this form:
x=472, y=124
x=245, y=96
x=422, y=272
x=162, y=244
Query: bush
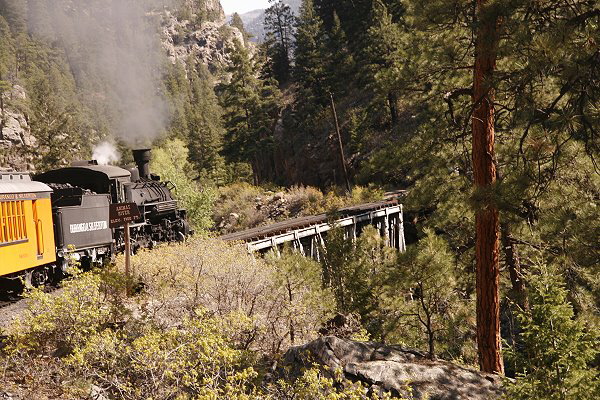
x=192, y=360
x=306, y=305
x=225, y=279
x=253, y=206
x=424, y=304
x=59, y=322
x=356, y=273
x=314, y=383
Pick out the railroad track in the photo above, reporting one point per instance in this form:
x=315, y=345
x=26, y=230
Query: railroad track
x=9, y=300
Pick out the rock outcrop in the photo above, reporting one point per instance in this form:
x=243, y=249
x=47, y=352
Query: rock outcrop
x=395, y=369
x=204, y=34
x=209, y=43
x=15, y=133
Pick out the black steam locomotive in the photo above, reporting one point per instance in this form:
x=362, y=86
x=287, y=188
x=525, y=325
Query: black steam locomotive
x=81, y=197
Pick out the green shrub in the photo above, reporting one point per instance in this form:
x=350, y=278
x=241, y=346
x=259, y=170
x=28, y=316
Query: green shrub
x=61, y=321
x=306, y=304
x=425, y=307
x=192, y=360
x=225, y=279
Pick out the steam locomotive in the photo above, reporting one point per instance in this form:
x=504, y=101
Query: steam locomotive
x=64, y=214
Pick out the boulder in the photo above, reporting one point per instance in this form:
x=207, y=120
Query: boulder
x=398, y=370
x=15, y=129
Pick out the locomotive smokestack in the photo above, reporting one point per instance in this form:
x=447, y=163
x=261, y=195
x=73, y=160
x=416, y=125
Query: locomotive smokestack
x=142, y=160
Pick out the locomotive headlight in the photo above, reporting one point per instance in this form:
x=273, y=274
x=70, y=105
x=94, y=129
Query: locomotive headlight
x=76, y=256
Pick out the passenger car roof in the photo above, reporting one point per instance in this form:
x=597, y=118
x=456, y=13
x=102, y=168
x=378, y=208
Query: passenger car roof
x=20, y=182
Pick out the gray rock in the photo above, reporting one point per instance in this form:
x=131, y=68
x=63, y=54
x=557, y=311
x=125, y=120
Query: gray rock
x=13, y=127
x=15, y=130
x=395, y=369
x=97, y=393
x=209, y=43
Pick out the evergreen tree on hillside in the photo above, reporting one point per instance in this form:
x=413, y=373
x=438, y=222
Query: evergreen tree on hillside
x=178, y=91
x=6, y=56
x=384, y=60
x=205, y=125
x=250, y=107
x=340, y=63
x=236, y=22
x=15, y=13
x=53, y=121
x=309, y=66
x=279, y=28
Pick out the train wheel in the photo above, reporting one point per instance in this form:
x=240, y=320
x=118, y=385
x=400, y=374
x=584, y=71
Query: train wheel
x=37, y=277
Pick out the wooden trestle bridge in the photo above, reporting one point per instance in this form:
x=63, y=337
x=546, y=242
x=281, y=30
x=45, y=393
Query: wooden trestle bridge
x=305, y=234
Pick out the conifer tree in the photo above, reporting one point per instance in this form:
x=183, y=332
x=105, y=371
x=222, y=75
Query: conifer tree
x=340, y=63
x=279, y=27
x=250, y=108
x=205, y=125
x=384, y=59
x=484, y=171
x=236, y=22
x=15, y=12
x=557, y=347
x=309, y=66
x=6, y=53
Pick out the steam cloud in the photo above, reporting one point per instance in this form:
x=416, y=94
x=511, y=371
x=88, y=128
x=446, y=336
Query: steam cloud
x=114, y=50
x=106, y=153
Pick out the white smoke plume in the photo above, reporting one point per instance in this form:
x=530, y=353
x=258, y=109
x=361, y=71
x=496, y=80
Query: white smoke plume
x=106, y=153
x=114, y=50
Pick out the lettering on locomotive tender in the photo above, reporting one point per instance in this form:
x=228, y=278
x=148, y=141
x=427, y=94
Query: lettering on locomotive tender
x=88, y=226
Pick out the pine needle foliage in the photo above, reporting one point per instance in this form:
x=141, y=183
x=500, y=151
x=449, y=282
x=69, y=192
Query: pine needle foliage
x=558, y=348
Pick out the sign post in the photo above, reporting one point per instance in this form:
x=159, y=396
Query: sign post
x=127, y=259
x=121, y=215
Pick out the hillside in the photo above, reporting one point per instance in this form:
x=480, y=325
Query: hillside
x=62, y=96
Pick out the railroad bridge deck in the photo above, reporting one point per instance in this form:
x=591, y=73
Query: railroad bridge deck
x=306, y=233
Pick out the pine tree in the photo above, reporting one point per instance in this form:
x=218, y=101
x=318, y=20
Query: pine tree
x=557, y=348
x=340, y=63
x=236, y=22
x=279, y=27
x=6, y=52
x=250, y=109
x=484, y=171
x=15, y=13
x=384, y=60
x=205, y=125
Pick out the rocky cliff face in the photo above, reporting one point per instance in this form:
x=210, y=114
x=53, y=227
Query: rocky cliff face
x=15, y=133
x=203, y=34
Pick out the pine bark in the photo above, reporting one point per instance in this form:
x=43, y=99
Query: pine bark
x=484, y=171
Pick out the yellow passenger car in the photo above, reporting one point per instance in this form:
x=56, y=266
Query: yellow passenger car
x=26, y=230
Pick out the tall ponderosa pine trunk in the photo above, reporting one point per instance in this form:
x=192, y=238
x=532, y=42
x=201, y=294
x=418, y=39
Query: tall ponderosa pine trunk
x=484, y=170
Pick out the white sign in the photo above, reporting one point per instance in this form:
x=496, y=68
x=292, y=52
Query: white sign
x=88, y=226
